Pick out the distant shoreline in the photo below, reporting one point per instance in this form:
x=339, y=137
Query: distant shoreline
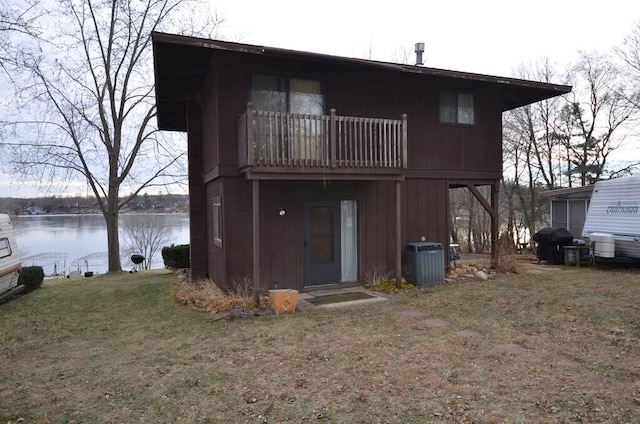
x=100, y=213
x=161, y=203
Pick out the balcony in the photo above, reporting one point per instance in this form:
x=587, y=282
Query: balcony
x=296, y=146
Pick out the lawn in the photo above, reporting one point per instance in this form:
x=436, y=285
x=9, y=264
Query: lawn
x=554, y=344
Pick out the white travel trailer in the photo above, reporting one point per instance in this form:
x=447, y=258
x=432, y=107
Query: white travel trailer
x=613, y=219
x=10, y=263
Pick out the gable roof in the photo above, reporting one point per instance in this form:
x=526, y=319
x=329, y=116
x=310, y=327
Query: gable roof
x=181, y=64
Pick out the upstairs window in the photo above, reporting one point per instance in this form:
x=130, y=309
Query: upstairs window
x=456, y=108
x=297, y=131
x=289, y=95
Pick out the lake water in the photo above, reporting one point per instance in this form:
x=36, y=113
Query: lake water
x=78, y=243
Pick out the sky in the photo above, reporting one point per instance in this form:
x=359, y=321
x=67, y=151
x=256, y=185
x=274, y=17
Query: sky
x=492, y=37
x=489, y=37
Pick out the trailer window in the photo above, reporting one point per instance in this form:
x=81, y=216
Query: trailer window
x=5, y=248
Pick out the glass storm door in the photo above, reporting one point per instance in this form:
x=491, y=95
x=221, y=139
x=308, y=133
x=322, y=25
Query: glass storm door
x=321, y=243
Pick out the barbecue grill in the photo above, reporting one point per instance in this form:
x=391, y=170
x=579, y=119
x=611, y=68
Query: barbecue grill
x=550, y=244
x=137, y=260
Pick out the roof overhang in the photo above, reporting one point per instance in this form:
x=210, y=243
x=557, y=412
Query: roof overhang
x=568, y=191
x=181, y=64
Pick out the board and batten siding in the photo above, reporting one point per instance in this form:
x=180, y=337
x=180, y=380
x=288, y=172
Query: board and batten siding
x=373, y=94
x=281, y=237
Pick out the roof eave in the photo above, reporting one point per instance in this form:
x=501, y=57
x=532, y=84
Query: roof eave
x=567, y=190
x=516, y=92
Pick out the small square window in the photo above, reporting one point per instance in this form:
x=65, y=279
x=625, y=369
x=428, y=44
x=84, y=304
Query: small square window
x=217, y=222
x=456, y=108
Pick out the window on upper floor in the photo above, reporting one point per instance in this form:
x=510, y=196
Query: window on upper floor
x=288, y=137
x=290, y=95
x=456, y=108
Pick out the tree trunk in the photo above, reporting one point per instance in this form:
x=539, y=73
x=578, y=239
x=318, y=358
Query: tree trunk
x=113, y=241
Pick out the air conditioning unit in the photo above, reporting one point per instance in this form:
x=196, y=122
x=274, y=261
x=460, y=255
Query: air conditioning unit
x=424, y=263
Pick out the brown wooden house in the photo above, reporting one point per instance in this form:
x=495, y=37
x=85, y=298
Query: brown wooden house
x=308, y=169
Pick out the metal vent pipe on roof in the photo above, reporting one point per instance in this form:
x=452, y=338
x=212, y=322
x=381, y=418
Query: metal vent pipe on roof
x=419, y=51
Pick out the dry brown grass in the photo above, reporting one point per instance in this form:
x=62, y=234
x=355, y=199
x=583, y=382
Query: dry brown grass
x=552, y=344
x=509, y=263
x=375, y=275
x=204, y=295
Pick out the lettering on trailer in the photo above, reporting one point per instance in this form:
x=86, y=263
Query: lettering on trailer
x=623, y=209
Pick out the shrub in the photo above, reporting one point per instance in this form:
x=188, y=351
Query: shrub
x=176, y=256
x=380, y=279
x=32, y=278
x=507, y=263
x=389, y=286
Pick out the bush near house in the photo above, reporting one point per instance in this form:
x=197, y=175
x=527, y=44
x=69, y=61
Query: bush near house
x=32, y=278
x=176, y=256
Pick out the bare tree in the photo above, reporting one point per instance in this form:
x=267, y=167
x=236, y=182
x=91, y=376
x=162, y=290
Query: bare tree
x=146, y=235
x=402, y=55
x=470, y=222
x=17, y=19
x=629, y=53
x=594, y=116
x=533, y=149
x=563, y=141
x=90, y=105
x=533, y=131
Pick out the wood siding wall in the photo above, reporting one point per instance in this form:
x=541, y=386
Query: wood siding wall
x=425, y=207
x=197, y=199
x=466, y=150
x=424, y=214
x=211, y=127
x=437, y=154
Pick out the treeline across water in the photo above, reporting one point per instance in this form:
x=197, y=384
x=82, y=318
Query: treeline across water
x=167, y=203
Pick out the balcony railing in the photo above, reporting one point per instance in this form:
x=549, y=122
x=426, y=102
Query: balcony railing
x=288, y=142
